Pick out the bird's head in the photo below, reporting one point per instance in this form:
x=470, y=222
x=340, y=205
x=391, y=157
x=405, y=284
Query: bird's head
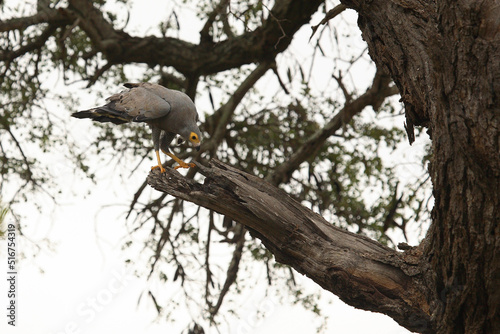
x=192, y=136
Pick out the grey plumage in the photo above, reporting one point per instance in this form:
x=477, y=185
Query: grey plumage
x=168, y=112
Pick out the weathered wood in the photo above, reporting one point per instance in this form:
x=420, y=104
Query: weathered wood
x=361, y=271
x=444, y=56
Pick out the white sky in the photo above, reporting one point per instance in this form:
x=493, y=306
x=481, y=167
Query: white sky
x=86, y=287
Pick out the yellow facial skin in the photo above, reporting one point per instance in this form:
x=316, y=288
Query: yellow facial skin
x=193, y=138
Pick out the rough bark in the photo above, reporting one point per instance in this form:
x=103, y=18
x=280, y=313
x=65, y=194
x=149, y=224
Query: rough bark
x=362, y=272
x=445, y=58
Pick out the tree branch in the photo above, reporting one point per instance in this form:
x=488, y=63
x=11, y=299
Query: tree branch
x=271, y=38
x=36, y=43
x=389, y=41
x=218, y=11
x=232, y=270
x=374, y=96
x=216, y=124
x=274, y=36
x=332, y=13
x=51, y=16
x=362, y=272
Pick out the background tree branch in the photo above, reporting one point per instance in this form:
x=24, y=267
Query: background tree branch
x=274, y=36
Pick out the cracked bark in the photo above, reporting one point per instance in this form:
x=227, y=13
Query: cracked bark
x=444, y=56
x=362, y=272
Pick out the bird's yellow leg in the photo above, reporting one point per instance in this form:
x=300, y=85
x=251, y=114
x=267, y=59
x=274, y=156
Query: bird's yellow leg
x=162, y=170
x=181, y=163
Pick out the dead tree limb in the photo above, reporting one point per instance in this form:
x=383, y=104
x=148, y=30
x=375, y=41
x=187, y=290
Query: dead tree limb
x=361, y=271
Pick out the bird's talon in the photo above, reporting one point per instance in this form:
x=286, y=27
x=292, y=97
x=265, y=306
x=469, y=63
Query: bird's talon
x=162, y=170
x=185, y=165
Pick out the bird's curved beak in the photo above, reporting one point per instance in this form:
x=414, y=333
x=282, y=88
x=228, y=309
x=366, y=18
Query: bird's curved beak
x=198, y=147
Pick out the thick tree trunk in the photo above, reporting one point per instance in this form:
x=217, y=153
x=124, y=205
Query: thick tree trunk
x=445, y=58
x=464, y=247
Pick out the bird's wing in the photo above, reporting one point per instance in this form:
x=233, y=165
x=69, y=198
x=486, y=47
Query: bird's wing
x=156, y=89
x=178, y=100
x=140, y=103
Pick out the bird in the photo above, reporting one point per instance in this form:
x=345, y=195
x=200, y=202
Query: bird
x=168, y=113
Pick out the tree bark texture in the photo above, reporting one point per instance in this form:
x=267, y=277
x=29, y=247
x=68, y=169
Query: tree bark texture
x=362, y=272
x=445, y=58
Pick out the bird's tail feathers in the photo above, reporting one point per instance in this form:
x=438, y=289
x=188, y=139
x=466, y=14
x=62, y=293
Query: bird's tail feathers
x=103, y=114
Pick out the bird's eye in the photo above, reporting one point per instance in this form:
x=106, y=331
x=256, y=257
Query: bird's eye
x=193, y=137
